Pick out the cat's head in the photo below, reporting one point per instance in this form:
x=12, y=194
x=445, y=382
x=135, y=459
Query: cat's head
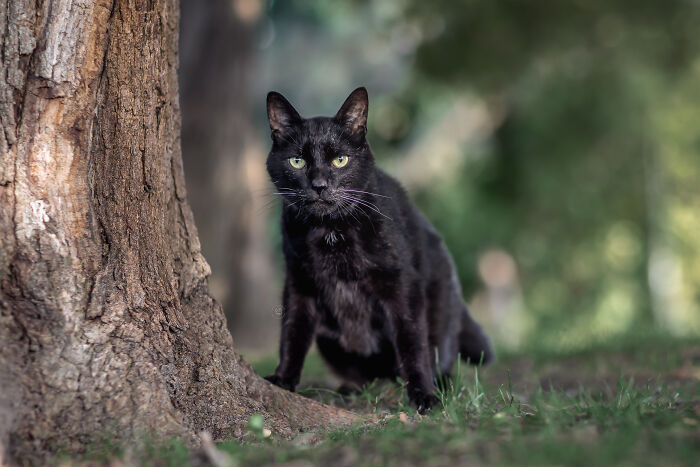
x=317, y=164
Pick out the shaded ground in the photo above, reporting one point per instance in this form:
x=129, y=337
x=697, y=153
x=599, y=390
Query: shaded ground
x=624, y=404
x=631, y=403
x=673, y=364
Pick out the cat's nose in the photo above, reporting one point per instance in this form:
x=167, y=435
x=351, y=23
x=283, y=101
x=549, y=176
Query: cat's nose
x=319, y=184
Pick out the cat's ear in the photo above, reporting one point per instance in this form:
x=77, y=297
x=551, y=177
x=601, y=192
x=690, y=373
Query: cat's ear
x=280, y=113
x=353, y=112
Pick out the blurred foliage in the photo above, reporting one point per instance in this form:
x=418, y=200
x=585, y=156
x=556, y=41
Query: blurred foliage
x=555, y=146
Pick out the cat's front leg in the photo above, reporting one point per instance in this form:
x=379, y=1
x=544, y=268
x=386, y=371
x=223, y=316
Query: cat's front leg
x=299, y=320
x=412, y=351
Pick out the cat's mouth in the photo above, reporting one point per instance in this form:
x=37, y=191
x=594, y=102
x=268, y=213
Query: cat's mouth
x=320, y=206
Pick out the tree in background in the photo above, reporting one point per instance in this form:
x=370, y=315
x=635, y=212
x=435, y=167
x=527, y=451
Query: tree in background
x=224, y=162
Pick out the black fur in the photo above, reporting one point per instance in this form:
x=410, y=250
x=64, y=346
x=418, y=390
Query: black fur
x=367, y=275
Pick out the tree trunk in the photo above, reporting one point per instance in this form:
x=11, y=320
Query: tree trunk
x=106, y=323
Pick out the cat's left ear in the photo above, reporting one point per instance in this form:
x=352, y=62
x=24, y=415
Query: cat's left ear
x=353, y=112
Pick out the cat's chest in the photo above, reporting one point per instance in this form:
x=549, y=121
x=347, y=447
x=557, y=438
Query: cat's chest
x=350, y=315
x=349, y=311
x=338, y=256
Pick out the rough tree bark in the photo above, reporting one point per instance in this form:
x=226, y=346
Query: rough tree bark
x=106, y=323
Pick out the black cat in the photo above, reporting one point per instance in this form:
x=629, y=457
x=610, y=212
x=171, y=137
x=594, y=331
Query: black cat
x=367, y=275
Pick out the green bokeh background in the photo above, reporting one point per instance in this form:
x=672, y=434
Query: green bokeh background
x=555, y=145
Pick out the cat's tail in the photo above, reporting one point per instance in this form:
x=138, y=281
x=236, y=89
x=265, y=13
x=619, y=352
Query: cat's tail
x=474, y=346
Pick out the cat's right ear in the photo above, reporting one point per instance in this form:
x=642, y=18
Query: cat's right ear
x=280, y=113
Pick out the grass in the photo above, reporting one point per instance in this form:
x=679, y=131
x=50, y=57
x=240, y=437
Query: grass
x=634, y=404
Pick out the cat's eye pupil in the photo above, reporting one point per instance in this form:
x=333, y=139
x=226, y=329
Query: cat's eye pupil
x=340, y=161
x=297, y=162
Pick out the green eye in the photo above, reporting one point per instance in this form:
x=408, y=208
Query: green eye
x=340, y=161
x=297, y=162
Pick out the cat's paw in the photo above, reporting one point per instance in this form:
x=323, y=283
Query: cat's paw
x=279, y=381
x=424, y=402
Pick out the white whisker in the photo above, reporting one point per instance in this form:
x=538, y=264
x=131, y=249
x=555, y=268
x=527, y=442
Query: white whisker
x=367, y=204
x=365, y=192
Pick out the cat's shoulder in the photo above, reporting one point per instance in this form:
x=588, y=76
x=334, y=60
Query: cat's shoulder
x=389, y=186
x=410, y=215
